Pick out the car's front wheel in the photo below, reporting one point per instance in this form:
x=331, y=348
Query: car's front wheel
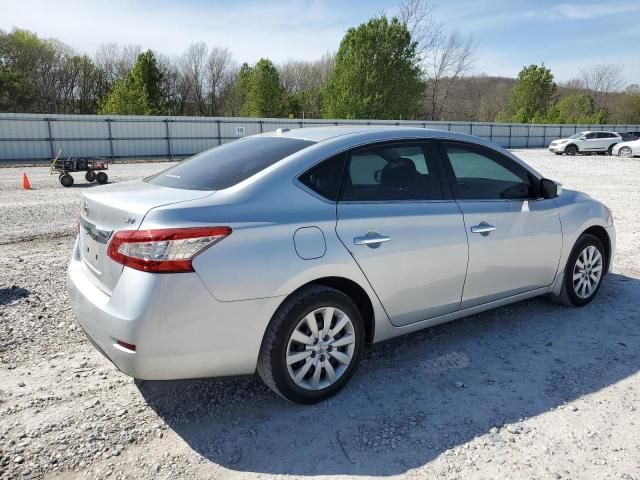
x=571, y=150
x=312, y=345
x=584, y=271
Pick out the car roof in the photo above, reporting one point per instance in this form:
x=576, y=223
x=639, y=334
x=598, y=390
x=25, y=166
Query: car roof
x=598, y=131
x=320, y=134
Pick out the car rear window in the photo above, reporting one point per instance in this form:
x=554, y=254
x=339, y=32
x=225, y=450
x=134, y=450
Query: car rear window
x=229, y=164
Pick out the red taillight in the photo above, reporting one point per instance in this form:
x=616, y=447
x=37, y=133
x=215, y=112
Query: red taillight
x=165, y=250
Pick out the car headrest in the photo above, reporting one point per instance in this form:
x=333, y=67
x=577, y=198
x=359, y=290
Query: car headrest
x=399, y=172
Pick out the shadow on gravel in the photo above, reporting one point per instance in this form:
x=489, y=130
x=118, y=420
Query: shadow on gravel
x=415, y=397
x=11, y=294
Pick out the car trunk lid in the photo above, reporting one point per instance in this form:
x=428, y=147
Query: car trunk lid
x=117, y=207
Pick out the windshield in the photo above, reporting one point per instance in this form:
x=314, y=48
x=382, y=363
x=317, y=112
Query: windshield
x=577, y=135
x=224, y=166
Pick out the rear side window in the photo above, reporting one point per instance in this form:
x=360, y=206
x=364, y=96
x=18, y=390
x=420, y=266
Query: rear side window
x=391, y=172
x=229, y=164
x=325, y=178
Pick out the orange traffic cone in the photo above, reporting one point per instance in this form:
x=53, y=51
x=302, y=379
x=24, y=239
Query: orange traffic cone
x=25, y=182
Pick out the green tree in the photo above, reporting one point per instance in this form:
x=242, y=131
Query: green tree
x=576, y=108
x=147, y=74
x=126, y=98
x=305, y=103
x=531, y=97
x=376, y=73
x=628, y=108
x=139, y=92
x=264, y=93
x=15, y=90
x=234, y=101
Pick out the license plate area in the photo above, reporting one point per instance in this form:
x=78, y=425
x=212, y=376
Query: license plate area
x=94, y=242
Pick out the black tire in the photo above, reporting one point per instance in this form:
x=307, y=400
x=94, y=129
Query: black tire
x=568, y=295
x=571, y=150
x=272, y=365
x=90, y=176
x=558, y=153
x=102, y=178
x=66, y=180
x=610, y=149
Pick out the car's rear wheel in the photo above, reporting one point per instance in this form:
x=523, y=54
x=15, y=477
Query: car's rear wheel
x=312, y=345
x=625, y=152
x=584, y=271
x=610, y=149
x=571, y=150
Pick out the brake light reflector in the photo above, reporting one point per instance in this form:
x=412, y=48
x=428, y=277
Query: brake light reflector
x=166, y=250
x=128, y=346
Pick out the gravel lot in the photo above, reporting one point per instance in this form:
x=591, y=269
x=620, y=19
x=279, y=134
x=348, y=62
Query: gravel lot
x=533, y=390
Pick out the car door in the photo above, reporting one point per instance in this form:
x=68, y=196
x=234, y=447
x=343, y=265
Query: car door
x=514, y=235
x=604, y=140
x=591, y=142
x=404, y=233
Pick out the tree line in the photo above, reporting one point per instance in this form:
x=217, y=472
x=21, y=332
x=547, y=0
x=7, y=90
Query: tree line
x=406, y=67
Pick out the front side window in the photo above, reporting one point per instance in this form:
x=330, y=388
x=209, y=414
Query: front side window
x=229, y=164
x=391, y=172
x=483, y=175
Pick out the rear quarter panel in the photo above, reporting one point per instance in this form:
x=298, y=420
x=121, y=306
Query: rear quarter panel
x=259, y=258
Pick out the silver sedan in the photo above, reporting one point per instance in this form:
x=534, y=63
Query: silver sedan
x=286, y=253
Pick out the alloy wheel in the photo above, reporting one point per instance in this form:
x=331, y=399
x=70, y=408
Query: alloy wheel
x=320, y=348
x=587, y=272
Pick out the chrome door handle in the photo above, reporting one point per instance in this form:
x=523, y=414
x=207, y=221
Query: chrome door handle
x=371, y=239
x=483, y=228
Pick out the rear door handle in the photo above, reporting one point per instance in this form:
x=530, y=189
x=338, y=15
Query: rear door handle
x=483, y=228
x=371, y=239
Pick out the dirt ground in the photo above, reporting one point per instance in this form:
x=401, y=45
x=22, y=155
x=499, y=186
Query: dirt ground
x=533, y=390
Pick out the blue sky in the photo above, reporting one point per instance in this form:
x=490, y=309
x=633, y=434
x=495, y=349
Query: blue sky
x=565, y=35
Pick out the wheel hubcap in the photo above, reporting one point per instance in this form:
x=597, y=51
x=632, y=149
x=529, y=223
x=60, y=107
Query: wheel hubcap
x=320, y=348
x=625, y=152
x=587, y=272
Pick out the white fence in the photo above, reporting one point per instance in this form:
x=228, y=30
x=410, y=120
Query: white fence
x=28, y=137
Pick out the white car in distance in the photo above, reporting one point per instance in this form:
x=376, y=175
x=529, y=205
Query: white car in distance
x=627, y=149
x=586, y=142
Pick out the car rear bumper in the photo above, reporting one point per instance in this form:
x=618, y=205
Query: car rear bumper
x=180, y=331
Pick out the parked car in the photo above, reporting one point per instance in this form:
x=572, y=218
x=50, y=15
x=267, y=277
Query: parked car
x=627, y=149
x=585, y=142
x=628, y=137
x=285, y=253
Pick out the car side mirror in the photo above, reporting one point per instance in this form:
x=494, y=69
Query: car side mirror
x=550, y=189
